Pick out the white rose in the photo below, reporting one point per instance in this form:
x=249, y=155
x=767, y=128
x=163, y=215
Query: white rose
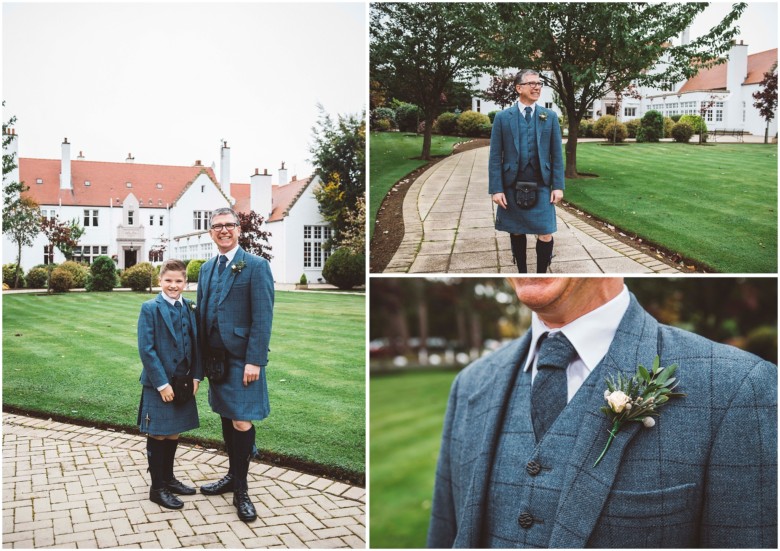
x=648, y=422
x=617, y=401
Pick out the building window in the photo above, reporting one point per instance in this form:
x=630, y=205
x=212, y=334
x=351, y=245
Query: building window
x=129, y=184
x=48, y=254
x=629, y=112
x=479, y=105
x=162, y=218
x=159, y=185
x=87, y=183
x=88, y=253
x=90, y=217
x=200, y=219
x=156, y=255
x=130, y=217
x=548, y=105
x=48, y=214
x=151, y=219
x=39, y=180
x=313, y=239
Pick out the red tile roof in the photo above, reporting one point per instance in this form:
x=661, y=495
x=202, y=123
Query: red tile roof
x=715, y=77
x=108, y=181
x=283, y=197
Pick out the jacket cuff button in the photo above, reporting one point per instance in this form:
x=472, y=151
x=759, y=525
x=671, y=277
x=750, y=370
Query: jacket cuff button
x=533, y=468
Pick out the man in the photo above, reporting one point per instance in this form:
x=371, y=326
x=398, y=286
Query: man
x=513, y=472
x=235, y=301
x=525, y=146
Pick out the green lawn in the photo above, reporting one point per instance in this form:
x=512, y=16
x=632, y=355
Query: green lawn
x=407, y=414
x=716, y=204
x=394, y=155
x=76, y=355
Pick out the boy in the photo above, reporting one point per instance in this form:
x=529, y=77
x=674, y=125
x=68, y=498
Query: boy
x=167, y=344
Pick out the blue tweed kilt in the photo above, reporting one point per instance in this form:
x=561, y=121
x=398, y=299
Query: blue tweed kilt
x=165, y=418
x=233, y=400
x=539, y=220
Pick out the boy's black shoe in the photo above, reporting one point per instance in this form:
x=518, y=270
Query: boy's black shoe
x=164, y=497
x=175, y=486
x=221, y=486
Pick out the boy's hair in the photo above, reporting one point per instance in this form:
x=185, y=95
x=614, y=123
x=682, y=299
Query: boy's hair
x=173, y=265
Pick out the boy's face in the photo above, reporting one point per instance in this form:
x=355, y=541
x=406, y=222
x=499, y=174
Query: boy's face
x=172, y=283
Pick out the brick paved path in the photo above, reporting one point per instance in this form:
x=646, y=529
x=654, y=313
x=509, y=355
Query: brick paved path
x=78, y=487
x=449, y=227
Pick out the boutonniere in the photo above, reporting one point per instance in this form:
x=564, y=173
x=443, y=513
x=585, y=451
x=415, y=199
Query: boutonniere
x=543, y=116
x=237, y=267
x=192, y=305
x=638, y=398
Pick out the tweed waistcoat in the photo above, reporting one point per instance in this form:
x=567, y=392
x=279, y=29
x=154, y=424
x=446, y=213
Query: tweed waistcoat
x=526, y=479
x=181, y=324
x=215, y=283
x=529, y=151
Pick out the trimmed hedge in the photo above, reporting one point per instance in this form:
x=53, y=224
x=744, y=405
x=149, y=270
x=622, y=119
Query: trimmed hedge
x=193, y=269
x=652, y=128
x=78, y=273
x=470, y=123
x=103, y=272
x=682, y=132
x=37, y=278
x=632, y=126
x=615, y=132
x=407, y=116
x=446, y=124
x=138, y=277
x=345, y=269
x=9, y=275
x=601, y=124
x=61, y=280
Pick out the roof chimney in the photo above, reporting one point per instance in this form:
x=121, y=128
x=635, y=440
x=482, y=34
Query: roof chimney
x=260, y=198
x=282, y=175
x=224, y=169
x=81, y=155
x=197, y=163
x=130, y=158
x=65, y=179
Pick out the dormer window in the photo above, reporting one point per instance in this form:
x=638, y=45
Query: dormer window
x=129, y=184
x=159, y=202
x=87, y=183
x=202, y=189
x=159, y=185
x=39, y=180
x=150, y=202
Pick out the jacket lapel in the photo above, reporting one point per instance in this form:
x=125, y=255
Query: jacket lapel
x=538, y=111
x=231, y=277
x=514, y=125
x=486, y=409
x=585, y=487
x=162, y=306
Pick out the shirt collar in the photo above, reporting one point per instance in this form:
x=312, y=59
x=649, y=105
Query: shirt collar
x=591, y=334
x=230, y=254
x=169, y=300
x=521, y=106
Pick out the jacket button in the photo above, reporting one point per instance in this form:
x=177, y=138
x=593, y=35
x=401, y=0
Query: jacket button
x=533, y=468
x=525, y=520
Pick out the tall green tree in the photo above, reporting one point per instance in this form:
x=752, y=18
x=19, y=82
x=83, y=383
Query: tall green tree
x=766, y=98
x=339, y=156
x=591, y=48
x=418, y=50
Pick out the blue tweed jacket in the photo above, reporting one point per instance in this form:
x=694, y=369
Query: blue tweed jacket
x=504, y=162
x=159, y=346
x=245, y=306
x=704, y=476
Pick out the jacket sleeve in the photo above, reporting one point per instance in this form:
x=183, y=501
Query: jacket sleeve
x=262, y=305
x=197, y=371
x=151, y=361
x=740, y=493
x=443, y=527
x=496, y=159
x=556, y=154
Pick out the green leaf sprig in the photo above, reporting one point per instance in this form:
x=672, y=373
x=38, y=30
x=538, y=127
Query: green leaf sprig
x=638, y=398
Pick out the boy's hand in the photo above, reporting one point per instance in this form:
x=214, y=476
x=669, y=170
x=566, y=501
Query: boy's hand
x=167, y=393
x=195, y=385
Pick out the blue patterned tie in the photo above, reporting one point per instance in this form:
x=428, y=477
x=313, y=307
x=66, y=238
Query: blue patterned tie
x=549, y=393
x=527, y=114
x=222, y=263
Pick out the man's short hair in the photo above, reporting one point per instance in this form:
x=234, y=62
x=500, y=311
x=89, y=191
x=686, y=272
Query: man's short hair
x=173, y=265
x=224, y=210
x=521, y=75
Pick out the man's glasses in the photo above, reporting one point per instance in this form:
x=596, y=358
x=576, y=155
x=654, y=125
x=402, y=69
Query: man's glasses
x=532, y=84
x=220, y=227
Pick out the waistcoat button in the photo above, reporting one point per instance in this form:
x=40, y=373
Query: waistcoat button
x=525, y=520
x=533, y=468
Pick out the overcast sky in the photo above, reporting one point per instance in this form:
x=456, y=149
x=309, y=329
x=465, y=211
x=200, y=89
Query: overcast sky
x=167, y=82
x=758, y=24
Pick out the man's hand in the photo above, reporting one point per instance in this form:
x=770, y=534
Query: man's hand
x=556, y=196
x=195, y=385
x=251, y=373
x=500, y=200
x=167, y=393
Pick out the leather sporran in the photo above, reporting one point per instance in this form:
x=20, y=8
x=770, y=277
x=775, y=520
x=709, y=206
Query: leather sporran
x=526, y=194
x=182, y=388
x=216, y=366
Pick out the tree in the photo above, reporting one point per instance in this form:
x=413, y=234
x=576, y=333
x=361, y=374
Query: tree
x=354, y=235
x=339, y=158
x=12, y=191
x=253, y=238
x=501, y=90
x=62, y=235
x=21, y=223
x=766, y=98
x=588, y=49
x=419, y=49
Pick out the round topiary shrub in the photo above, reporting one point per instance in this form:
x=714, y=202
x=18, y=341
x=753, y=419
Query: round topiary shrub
x=632, y=126
x=138, y=277
x=383, y=125
x=615, y=132
x=485, y=130
x=345, y=269
x=601, y=124
x=383, y=114
x=446, y=124
x=470, y=123
x=652, y=128
x=61, y=280
x=103, y=271
x=586, y=129
x=697, y=123
x=407, y=116
x=9, y=276
x=492, y=116
x=78, y=272
x=668, y=125
x=675, y=118
x=37, y=278
x=193, y=269
x=682, y=132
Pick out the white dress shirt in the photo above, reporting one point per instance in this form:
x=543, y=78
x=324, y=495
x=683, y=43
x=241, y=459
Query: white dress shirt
x=230, y=254
x=522, y=107
x=591, y=335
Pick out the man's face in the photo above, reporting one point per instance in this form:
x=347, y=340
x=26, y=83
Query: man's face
x=226, y=239
x=172, y=283
x=529, y=93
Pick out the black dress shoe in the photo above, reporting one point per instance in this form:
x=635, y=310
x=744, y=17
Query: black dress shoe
x=177, y=487
x=225, y=484
x=164, y=497
x=244, y=506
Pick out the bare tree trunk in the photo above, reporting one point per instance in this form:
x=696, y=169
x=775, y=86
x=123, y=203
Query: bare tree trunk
x=571, y=149
x=766, y=133
x=427, y=134
x=422, y=318
x=18, y=265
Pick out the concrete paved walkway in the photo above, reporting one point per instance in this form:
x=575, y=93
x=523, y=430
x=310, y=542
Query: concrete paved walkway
x=78, y=487
x=449, y=227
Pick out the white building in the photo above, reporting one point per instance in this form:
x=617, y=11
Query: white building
x=129, y=209
x=726, y=89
